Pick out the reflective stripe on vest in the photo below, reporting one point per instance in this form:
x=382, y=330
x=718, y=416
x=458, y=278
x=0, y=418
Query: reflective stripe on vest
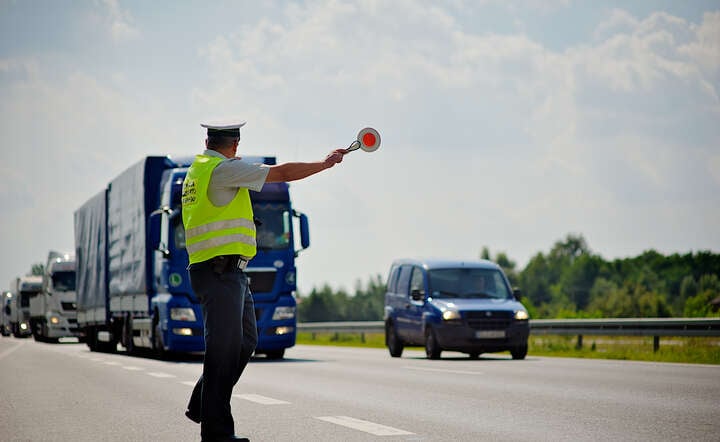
x=211, y=230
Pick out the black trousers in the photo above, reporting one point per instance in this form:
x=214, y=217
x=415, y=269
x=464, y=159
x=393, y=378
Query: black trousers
x=230, y=339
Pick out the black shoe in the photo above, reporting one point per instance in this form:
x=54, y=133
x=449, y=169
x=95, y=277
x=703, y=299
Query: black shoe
x=228, y=439
x=192, y=417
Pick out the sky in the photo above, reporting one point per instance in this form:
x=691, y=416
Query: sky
x=505, y=124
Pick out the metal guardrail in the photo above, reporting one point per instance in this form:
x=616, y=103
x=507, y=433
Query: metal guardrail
x=655, y=327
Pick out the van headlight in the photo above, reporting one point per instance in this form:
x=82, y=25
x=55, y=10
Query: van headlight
x=283, y=312
x=182, y=314
x=521, y=315
x=451, y=315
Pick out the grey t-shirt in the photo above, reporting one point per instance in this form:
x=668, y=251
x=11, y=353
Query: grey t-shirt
x=231, y=174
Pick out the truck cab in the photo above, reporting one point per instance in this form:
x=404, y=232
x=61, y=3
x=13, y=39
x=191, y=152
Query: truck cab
x=272, y=271
x=6, y=308
x=25, y=289
x=53, y=311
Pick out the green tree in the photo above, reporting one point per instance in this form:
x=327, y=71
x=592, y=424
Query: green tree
x=37, y=270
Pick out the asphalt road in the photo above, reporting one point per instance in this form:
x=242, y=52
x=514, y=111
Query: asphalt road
x=64, y=392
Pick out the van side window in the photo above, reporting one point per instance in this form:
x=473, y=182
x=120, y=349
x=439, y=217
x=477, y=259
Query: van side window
x=392, y=279
x=416, y=281
x=404, y=280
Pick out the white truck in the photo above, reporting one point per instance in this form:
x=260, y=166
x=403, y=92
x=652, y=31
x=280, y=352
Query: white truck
x=22, y=289
x=53, y=311
x=6, y=306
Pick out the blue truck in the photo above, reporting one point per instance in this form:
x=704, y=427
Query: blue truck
x=132, y=281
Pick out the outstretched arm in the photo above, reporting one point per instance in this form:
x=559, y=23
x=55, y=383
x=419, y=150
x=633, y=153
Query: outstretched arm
x=297, y=171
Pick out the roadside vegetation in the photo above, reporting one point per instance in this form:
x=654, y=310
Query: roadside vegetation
x=569, y=281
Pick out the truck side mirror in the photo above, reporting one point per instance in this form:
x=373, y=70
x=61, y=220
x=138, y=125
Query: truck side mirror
x=417, y=295
x=304, y=230
x=517, y=293
x=8, y=310
x=154, y=229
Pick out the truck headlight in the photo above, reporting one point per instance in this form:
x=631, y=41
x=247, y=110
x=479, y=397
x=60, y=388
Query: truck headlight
x=281, y=313
x=182, y=314
x=54, y=320
x=521, y=315
x=451, y=315
x=23, y=326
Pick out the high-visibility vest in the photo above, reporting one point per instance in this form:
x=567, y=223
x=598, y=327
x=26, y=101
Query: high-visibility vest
x=211, y=230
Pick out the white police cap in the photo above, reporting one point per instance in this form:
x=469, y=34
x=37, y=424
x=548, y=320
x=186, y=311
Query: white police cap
x=226, y=128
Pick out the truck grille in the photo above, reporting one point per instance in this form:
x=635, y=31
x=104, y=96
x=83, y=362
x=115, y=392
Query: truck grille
x=489, y=319
x=262, y=281
x=69, y=306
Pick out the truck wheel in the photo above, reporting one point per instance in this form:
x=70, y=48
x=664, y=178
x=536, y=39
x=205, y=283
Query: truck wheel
x=432, y=349
x=37, y=330
x=158, y=344
x=519, y=352
x=393, y=342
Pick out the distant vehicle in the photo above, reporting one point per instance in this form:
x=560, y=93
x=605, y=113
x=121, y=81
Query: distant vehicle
x=53, y=311
x=5, y=312
x=132, y=280
x=465, y=306
x=23, y=288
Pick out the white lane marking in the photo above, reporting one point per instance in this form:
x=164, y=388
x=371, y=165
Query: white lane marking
x=443, y=370
x=260, y=399
x=132, y=368
x=111, y=363
x=189, y=383
x=160, y=375
x=366, y=426
x=10, y=350
x=97, y=359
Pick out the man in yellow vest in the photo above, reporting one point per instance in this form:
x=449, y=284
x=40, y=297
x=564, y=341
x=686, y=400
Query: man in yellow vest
x=220, y=240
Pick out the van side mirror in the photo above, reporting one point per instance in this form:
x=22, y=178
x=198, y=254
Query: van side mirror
x=517, y=293
x=417, y=295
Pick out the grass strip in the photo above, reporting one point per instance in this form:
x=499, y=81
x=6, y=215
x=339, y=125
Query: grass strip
x=699, y=350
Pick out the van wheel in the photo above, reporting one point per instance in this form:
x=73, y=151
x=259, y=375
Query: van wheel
x=393, y=342
x=432, y=349
x=519, y=352
x=275, y=354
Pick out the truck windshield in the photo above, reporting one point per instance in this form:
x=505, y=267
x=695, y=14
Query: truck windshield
x=64, y=281
x=468, y=283
x=273, y=229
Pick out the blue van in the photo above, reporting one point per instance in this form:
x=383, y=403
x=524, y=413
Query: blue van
x=465, y=306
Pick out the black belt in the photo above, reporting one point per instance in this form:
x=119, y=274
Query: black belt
x=228, y=263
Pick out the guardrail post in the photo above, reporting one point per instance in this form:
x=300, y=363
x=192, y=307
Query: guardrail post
x=656, y=343
x=579, y=342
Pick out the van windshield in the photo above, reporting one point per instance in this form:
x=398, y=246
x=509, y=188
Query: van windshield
x=468, y=283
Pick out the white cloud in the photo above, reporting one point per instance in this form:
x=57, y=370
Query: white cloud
x=488, y=138
x=120, y=21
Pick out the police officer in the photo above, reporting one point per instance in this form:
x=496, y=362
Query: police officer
x=220, y=240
